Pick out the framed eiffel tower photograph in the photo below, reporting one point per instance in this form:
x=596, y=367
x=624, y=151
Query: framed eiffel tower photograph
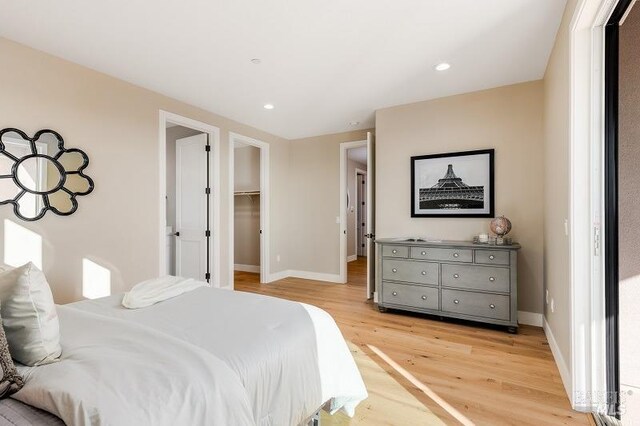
x=455, y=184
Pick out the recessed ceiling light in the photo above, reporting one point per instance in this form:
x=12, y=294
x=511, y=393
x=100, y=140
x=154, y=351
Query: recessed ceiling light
x=269, y=106
x=354, y=123
x=256, y=61
x=443, y=66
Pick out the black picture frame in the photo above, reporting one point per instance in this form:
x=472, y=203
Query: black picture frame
x=488, y=209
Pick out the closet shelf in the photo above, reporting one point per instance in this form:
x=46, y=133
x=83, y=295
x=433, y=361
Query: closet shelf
x=249, y=193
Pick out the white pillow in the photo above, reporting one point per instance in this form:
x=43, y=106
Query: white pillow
x=29, y=316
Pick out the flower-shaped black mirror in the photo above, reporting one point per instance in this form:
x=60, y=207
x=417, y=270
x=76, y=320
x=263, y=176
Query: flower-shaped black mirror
x=39, y=174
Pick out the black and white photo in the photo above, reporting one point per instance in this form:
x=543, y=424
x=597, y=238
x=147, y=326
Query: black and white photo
x=458, y=184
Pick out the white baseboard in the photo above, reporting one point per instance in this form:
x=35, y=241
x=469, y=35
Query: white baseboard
x=276, y=276
x=563, y=367
x=530, y=318
x=246, y=268
x=316, y=276
x=352, y=258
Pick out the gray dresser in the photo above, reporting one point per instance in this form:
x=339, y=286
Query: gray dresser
x=450, y=279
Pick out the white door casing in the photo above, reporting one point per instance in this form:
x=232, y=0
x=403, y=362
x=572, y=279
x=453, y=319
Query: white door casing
x=371, y=230
x=166, y=118
x=191, y=207
x=265, y=203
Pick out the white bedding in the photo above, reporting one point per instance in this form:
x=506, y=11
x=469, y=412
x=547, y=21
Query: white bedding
x=287, y=357
x=157, y=290
x=116, y=373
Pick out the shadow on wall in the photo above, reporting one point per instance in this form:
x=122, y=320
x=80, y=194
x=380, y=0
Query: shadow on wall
x=22, y=245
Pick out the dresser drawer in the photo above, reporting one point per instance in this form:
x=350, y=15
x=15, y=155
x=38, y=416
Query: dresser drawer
x=492, y=257
x=476, y=304
x=410, y=271
x=410, y=295
x=442, y=254
x=476, y=277
x=395, y=251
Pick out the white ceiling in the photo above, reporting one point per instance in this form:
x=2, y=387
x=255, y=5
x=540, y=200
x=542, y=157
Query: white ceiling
x=358, y=154
x=324, y=63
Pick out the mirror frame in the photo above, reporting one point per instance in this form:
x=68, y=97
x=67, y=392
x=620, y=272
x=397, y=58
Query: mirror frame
x=55, y=160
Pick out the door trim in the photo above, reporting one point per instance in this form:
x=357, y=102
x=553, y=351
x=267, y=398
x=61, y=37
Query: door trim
x=342, y=228
x=587, y=385
x=214, y=183
x=265, y=241
x=611, y=247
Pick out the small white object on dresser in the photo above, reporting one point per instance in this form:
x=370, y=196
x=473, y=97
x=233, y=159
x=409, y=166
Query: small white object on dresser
x=456, y=279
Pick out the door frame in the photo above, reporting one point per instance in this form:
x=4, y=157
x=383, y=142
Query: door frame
x=585, y=375
x=265, y=221
x=611, y=246
x=213, y=133
x=342, y=229
x=364, y=173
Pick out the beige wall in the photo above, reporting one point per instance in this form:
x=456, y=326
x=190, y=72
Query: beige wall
x=247, y=208
x=557, y=120
x=315, y=202
x=116, y=124
x=629, y=214
x=508, y=119
x=352, y=210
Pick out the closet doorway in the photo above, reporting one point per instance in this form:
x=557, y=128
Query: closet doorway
x=248, y=206
x=189, y=205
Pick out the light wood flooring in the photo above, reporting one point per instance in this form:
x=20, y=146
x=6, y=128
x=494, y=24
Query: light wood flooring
x=462, y=373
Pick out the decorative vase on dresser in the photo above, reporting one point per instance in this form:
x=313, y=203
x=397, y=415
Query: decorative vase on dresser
x=454, y=279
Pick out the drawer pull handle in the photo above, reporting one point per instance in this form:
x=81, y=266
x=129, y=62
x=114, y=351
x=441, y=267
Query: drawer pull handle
x=424, y=297
x=456, y=301
x=424, y=272
x=492, y=257
x=424, y=253
x=492, y=306
x=456, y=276
x=394, y=270
x=394, y=251
x=455, y=255
x=492, y=279
x=395, y=293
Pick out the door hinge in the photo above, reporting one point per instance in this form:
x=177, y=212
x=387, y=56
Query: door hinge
x=596, y=241
x=207, y=148
x=207, y=233
x=207, y=191
x=363, y=203
x=207, y=276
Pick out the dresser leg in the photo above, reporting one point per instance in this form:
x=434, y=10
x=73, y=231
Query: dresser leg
x=512, y=330
x=382, y=308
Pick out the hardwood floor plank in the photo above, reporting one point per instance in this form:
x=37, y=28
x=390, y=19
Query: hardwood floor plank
x=488, y=375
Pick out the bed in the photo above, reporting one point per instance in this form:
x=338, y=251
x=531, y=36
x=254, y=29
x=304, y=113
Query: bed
x=210, y=356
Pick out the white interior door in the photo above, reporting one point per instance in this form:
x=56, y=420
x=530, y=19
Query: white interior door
x=361, y=219
x=191, y=207
x=370, y=204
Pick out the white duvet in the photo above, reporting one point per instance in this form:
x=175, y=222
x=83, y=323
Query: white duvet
x=207, y=357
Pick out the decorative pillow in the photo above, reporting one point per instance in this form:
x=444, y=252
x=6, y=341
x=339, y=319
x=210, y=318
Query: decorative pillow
x=29, y=316
x=10, y=380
